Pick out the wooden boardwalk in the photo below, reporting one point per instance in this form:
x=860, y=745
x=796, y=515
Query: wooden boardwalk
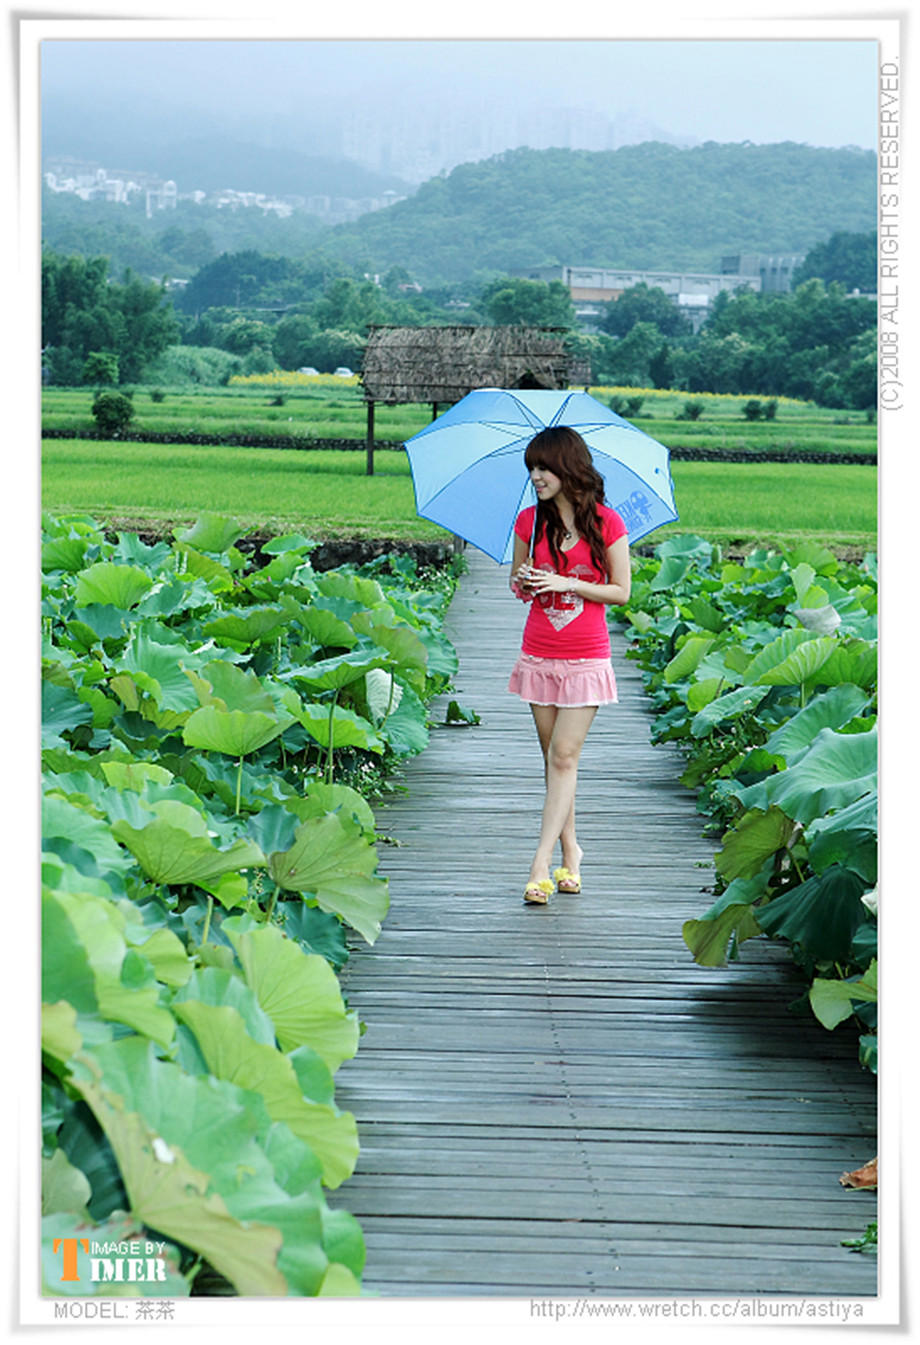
x=557, y=1100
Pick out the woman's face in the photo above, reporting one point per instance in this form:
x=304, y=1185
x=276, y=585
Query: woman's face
x=545, y=483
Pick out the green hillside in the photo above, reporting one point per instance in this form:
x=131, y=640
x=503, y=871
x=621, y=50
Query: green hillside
x=651, y=205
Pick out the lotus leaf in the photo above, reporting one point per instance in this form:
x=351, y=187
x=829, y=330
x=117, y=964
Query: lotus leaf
x=348, y=728
x=803, y=578
x=171, y=854
x=228, y=687
x=60, y=1037
x=831, y=709
x=339, y=1282
x=821, y=915
x=65, y=1189
x=790, y=659
x=64, y=553
x=134, y=775
x=327, y=629
x=406, y=730
x=853, y=661
x=160, y=670
x=313, y=1075
x=62, y=711
x=171, y=1196
x=175, y=596
x=688, y=657
x=730, y=919
x=232, y=1054
x=836, y=770
x=61, y=820
x=299, y=992
x=236, y=733
x=167, y=956
x=401, y=643
x=289, y=541
x=343, y=1241
x=752, y=840
x=729, y=706
x=212, y=533
x=672, y=570
x=246, y=626
x=337, y=866
x=84, y=966
x=316, y=931
x=111, y=585
x=222, y=987
x=848, y=837
x=352, y=587
x=332, y=674
x=833, y=1001
x=814, y=555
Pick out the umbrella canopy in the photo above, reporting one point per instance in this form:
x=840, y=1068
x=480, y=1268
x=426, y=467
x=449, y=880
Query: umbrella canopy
x=469, y=473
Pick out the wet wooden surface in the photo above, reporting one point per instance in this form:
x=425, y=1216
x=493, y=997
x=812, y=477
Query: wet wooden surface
x=557, y=1100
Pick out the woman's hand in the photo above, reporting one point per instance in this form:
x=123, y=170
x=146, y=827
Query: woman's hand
x=521, y=582
x=547, y=581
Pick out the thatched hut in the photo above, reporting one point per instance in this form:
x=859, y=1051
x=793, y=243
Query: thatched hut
x=443, y=364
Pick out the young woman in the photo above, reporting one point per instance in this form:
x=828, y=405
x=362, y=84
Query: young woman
x=580, y=563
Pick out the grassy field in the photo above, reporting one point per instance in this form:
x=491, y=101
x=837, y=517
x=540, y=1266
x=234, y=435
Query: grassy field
x=327, y=494
x=318, y=410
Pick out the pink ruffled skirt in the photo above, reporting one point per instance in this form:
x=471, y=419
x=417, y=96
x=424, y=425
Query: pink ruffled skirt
x=564, y=681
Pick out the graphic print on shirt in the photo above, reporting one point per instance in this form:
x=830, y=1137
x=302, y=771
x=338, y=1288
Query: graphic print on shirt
x=561, y=608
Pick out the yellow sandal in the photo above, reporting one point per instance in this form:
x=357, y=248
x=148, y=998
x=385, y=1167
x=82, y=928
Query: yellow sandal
x=538, y=894
x=568, y=882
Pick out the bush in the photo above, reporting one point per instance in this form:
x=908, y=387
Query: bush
x=276, y=401
x=113, y=412
x=752, y=410
x=157, y=395
x=769, y=411
x=633, y=406
x=692, y=411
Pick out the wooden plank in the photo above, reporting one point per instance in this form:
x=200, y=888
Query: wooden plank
x=557, y=1099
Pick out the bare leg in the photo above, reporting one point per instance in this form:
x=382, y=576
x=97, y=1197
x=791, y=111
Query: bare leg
x=545, y=720
x=566, y=738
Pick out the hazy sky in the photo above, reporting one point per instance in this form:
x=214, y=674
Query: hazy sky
x=817, y=92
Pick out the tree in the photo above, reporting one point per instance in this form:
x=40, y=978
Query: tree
x=82, y=314
x=661, y=367
x=848, y=258
x=630, y=360
x=100, y=366
x=642, y=303
x=243, y=335
x=290, y=337
x=145, y=324
x=529, y=303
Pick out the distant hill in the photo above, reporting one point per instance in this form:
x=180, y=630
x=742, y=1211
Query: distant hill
x=205, y=160
x=652, y=205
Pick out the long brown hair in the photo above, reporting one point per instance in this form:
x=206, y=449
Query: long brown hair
x=562, y=451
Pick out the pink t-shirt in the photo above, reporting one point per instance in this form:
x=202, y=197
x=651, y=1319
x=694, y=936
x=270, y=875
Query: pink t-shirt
x=562, y=625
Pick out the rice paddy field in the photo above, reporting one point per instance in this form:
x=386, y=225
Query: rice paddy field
x=325, y=407
x=327, y=493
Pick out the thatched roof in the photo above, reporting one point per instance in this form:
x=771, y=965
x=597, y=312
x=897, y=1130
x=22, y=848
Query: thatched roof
x=443, y=364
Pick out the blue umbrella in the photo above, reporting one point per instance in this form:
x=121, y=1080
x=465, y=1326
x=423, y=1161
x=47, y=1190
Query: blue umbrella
x=469, y=473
